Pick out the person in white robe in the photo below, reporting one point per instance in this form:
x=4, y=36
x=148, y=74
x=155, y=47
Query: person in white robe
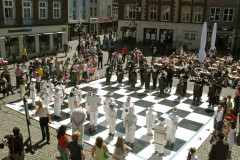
x=130, y=127
x=112, y=115
x=150, y=119
x=33, y=91
x=160, y=137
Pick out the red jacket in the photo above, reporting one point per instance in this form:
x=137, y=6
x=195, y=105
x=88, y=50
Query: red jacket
x=232, y=116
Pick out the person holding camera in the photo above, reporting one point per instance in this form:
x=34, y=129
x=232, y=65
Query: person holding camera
x=44, y=114
x=15, y=145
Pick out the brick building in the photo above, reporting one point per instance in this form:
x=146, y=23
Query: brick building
x=169, y=22
x=35, y=24
x=227, y=16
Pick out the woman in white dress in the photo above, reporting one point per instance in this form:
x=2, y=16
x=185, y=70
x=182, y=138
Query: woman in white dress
x=231, y=136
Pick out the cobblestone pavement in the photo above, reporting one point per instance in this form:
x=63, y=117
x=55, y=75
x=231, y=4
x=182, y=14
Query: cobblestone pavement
x=10, y=118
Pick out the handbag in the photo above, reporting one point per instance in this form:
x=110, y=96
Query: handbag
x=106, y=153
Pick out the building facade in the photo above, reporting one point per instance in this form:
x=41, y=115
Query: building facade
x=169, y=22
x=226, y=15
x=36, y=24
x=92, y=15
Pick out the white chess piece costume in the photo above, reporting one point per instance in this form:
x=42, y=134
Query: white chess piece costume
x=51, y=93
x=71, y=98
x=33, y=91
x=45, y=96
x=172, y=123
x=130, y=126
x=93, y=112
x=106, y=103
x=112, y=114
x=78, y=94
x=125, y=107
x=160, y=137
x=57, y=101
x=151, y=115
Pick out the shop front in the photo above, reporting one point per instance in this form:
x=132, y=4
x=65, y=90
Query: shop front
x=33, y=39
x=149, y=36
x=129, y=35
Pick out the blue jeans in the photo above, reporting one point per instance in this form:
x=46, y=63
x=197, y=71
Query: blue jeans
x=63, y=153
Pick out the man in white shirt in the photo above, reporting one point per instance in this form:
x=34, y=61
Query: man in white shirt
x=218, y=117
x=44, y=119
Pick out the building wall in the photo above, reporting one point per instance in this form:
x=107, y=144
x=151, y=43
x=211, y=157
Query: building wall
x=35, y=14
x=178, y=30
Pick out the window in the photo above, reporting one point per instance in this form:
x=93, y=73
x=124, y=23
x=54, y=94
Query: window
x=165, y=13
x=8, y=9
x=74, y=15
x=215, y=14
x=26, y=5
x=56, y=10
x=75, y=3
x=197, y=14
x=84, y=3
x=153, y=12
x=186, y=14
x=91, y=12
x=190, y=36
x=228, y=14
x=130, y=11
x=84, y=14
x=95, y=12
x=42, y=10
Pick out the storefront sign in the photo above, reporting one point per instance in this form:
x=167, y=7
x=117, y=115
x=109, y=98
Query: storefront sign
x=20, y=30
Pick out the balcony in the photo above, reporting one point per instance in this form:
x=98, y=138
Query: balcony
x=10, y=22
x=27, y=21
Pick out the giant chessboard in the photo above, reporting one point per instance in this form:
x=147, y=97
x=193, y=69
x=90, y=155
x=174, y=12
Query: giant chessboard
x=195, y=122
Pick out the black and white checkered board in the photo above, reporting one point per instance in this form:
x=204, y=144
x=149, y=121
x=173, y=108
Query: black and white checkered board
x=192, y=122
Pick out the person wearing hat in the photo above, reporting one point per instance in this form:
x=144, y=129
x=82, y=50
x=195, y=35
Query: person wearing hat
x=125, y=107
x=162, y=83
x=197, y=91
x=15, y=145
x=57, y=101
x=133, y=78
x=212, y=93
x=150, y=119
x=170, y=74
x=109, y=71
x=45, y=96
x=179, y=90
x=93, y=106
x=106, y=103
x=147, y=80
x=155, y=73
x=160, y=137
x=112, y=116
x=172, y=123
x=120, y=75
x=33, y=91
x=130, y=126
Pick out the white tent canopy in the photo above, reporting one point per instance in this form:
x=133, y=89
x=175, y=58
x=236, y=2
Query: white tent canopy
x=202, y=53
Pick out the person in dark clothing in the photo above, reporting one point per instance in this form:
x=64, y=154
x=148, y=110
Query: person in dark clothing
x=120, y=74
x=212, y=93
x=219, y=150
x=100, y=58
x=133, y=78
x=185, y=80
x=109, y=71
x=197, y=92
x=170, y=74
x=15, y=145
x=236, y=102
x=142, y=70
x=155, y=73
x=147, y=79
x=162, y=83
x=180, y=87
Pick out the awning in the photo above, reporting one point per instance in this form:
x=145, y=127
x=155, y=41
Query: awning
x=48, y=33
x=17, y=36
x=105, y=21
x=60, y=32
x=32, y=35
